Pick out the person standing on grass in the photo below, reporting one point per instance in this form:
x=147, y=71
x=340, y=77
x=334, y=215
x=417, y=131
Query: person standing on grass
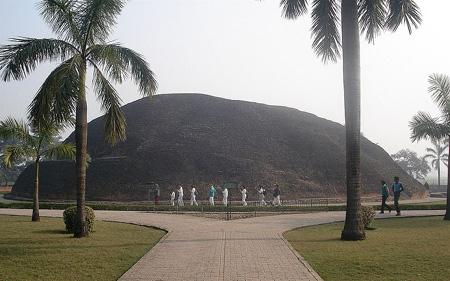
x=172, y=198
x=244, y=196
x=397, y=188
x=180, y=196
x=225, y=196
x=384, y=197
x=193, y=196
x=211, y=195
x=277, y=196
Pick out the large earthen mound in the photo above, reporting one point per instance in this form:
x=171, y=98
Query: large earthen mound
x=193, y=138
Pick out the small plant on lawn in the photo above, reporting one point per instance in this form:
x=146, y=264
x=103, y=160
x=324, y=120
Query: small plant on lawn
x=367, y=216
x=70, y=216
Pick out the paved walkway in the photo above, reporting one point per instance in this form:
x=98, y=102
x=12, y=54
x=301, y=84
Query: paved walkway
x=205, y=249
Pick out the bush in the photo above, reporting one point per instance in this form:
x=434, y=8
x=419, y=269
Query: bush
x=367, y=216
x=70, y=215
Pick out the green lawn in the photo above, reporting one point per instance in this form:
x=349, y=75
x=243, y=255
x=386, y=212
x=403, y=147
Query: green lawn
x=412, y=249
x=437, y=202
x=44, y=251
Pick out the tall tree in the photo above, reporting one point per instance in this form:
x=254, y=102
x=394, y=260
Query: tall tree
x=82, y=27
x=424, y=126
x=369, y=17
x=437, y=154
x=415, y=166
x=34, y=144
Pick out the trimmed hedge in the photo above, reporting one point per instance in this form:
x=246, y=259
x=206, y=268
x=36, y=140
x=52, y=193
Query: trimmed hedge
x=70, y=216
x=367, y=216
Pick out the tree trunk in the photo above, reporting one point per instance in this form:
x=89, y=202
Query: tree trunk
x=447, y=210
x=81, y=156
x=35, y=216
x=439, y=169
x=353, y=228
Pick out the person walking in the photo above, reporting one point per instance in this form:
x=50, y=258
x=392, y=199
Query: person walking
x=244, y=196
x=384, y=197
x=180, y=196
x=193, y=196
x=172, y=198
x=225, y=196
x=277, y=196
x=157, y=194
x=397, y=188
x=262, y=195
x=211, y=195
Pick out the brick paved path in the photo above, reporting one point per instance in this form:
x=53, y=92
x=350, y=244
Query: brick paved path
x=205, y=249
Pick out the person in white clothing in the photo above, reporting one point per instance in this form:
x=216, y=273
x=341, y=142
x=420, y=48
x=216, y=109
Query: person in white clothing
x=180, y=196
x=244, y=196
x=193, y=195
x=262, y=195
x=225, y=196
x=172, y=198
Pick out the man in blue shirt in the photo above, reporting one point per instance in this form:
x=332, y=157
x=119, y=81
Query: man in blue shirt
x=397, y=188
x=211, y=195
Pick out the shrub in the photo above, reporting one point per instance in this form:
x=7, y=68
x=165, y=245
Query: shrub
x=367, y=216
x=70, y=215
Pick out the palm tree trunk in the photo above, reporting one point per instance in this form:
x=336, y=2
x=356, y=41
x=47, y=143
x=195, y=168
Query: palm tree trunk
x=447, y=210
x=35, y=216
x=439, y=170
x=81, y=155
x=353, y=228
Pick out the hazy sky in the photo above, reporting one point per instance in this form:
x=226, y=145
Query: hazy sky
x=243, y=49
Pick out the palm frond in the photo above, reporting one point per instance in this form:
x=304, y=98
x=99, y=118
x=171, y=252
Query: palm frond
x=97, y=19
x=431, y=150
x=56, y=99
x=61, y=151
x=424, y=126
x=292, y=9
x=62, y=16
x=434, y=163
x=119, y=61
x=12, y=129
x=110, y=102
x=372, y=14
x=48, y=132
x=403, y=11
x=15, y=153
x=17, y=60
x=429, y=156
x=440, y=90
x=325, y=29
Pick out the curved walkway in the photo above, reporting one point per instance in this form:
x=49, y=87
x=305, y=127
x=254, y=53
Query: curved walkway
x=198, y=248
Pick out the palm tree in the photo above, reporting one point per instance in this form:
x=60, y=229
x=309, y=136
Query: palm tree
x=33, y=144
x=424, y=126
x=83, y=27
x=437, y=155
x=365, y=16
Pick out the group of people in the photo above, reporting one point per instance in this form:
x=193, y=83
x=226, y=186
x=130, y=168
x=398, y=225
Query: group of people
x=276, y=193
x=396, y=188
x=212, y=193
